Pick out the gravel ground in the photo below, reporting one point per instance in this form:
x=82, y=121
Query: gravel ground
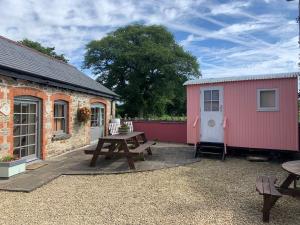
x=207, y=192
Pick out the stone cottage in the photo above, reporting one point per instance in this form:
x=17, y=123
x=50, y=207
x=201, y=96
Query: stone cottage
x=39, y=100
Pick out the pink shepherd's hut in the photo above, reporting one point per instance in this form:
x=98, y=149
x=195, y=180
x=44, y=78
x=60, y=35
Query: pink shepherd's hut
x=259, y=112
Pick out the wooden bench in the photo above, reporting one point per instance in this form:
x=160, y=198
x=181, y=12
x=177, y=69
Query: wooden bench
x=265, y=185
x=141, y=148
x=91, y=151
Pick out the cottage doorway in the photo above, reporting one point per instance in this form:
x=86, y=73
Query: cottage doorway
x=26, y=135
x=211, y=125
x=97, y=121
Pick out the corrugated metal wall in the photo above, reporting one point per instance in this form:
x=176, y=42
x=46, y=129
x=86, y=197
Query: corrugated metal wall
x=246, y=126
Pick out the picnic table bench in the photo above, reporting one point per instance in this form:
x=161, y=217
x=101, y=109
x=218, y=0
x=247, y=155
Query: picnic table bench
x=265, y=185
x=117, y=145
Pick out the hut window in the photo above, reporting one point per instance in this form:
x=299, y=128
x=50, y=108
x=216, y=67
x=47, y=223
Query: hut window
x=267, y=100
x=60, y=117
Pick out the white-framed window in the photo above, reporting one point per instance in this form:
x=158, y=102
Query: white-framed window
x=211, y=100
x=267, y=100
x=60, y=117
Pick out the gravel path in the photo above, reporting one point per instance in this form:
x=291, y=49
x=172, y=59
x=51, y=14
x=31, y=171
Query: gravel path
x=208, y=192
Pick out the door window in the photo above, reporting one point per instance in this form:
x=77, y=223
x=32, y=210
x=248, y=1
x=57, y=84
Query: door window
x=211, y=100
x=25, y=128
x=95, y=117
x=102, y=117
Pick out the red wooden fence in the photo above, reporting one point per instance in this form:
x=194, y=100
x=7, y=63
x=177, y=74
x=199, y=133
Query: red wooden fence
x=166, y=131
x=173, y=131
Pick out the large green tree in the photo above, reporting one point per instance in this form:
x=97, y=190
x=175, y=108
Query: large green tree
x=46, y=50
x=145, y=66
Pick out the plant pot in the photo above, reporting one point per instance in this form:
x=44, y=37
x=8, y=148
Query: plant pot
x=8, y=169
x=123, y=130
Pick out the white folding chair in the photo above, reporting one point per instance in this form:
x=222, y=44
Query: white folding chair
x=130, y=125
x=113, y=128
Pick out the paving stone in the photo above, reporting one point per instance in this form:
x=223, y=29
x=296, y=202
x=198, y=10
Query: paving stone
x=77, y=163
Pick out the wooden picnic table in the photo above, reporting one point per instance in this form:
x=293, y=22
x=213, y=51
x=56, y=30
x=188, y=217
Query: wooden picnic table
x=118, y=146
x=293, y=168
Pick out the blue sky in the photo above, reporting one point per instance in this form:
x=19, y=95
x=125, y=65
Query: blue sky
x=229, y=38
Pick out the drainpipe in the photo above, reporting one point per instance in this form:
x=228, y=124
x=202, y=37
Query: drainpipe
x=113, y=109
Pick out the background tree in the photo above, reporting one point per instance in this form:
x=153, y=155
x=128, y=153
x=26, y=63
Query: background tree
x=145, y=66
x=46, y=50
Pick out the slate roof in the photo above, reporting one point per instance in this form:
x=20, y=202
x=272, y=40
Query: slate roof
x=242, y=78
x=21, y=59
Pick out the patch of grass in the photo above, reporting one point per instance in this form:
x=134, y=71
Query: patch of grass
x=7, y=158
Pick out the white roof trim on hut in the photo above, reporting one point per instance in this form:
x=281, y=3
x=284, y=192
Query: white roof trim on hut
x=242, y=78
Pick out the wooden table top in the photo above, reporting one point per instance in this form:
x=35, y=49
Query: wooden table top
x=292, y=167
x=122, y=136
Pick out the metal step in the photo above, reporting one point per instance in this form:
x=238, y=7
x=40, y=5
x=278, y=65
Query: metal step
x=210, y=153
x=210, y=144
x=209, y=148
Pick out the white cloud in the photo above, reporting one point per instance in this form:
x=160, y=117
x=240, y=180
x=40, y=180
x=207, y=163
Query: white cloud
x=228, y=38
x=233, y=8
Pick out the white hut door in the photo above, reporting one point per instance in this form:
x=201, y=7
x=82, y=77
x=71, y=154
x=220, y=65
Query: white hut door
x=211, y=129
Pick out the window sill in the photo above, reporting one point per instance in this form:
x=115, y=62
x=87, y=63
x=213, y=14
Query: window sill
x=267, y=110
x=60, y=137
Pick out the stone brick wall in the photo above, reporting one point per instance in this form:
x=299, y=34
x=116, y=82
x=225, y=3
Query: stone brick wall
x=80, y=132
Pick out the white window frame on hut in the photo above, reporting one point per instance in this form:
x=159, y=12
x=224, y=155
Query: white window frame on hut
x=266, y=108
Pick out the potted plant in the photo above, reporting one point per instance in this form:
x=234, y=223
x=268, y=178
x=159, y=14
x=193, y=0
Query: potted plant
x=123, y=129
x=83, y=114
x=10, y=165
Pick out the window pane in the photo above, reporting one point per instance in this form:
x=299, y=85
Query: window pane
x=207, y=95
x=58, y=123
x=17, y=108
x=24, y=129
x=32, y=118
x=63, y=125
x=17, y=130
x=59, y=110
x=32, y=108
x=17, y=118
x=207, y=106
x=63, y=109
x=24, y=152
x=31, y=139
x=215, y=106
x=31, y=150
x=31, y=129
x=17, y=153
x=24, y=118
x=25, y=108
x=16, y=142
x=215, y=95
x=23, y=140
x=267, y=99
x=55, y=110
